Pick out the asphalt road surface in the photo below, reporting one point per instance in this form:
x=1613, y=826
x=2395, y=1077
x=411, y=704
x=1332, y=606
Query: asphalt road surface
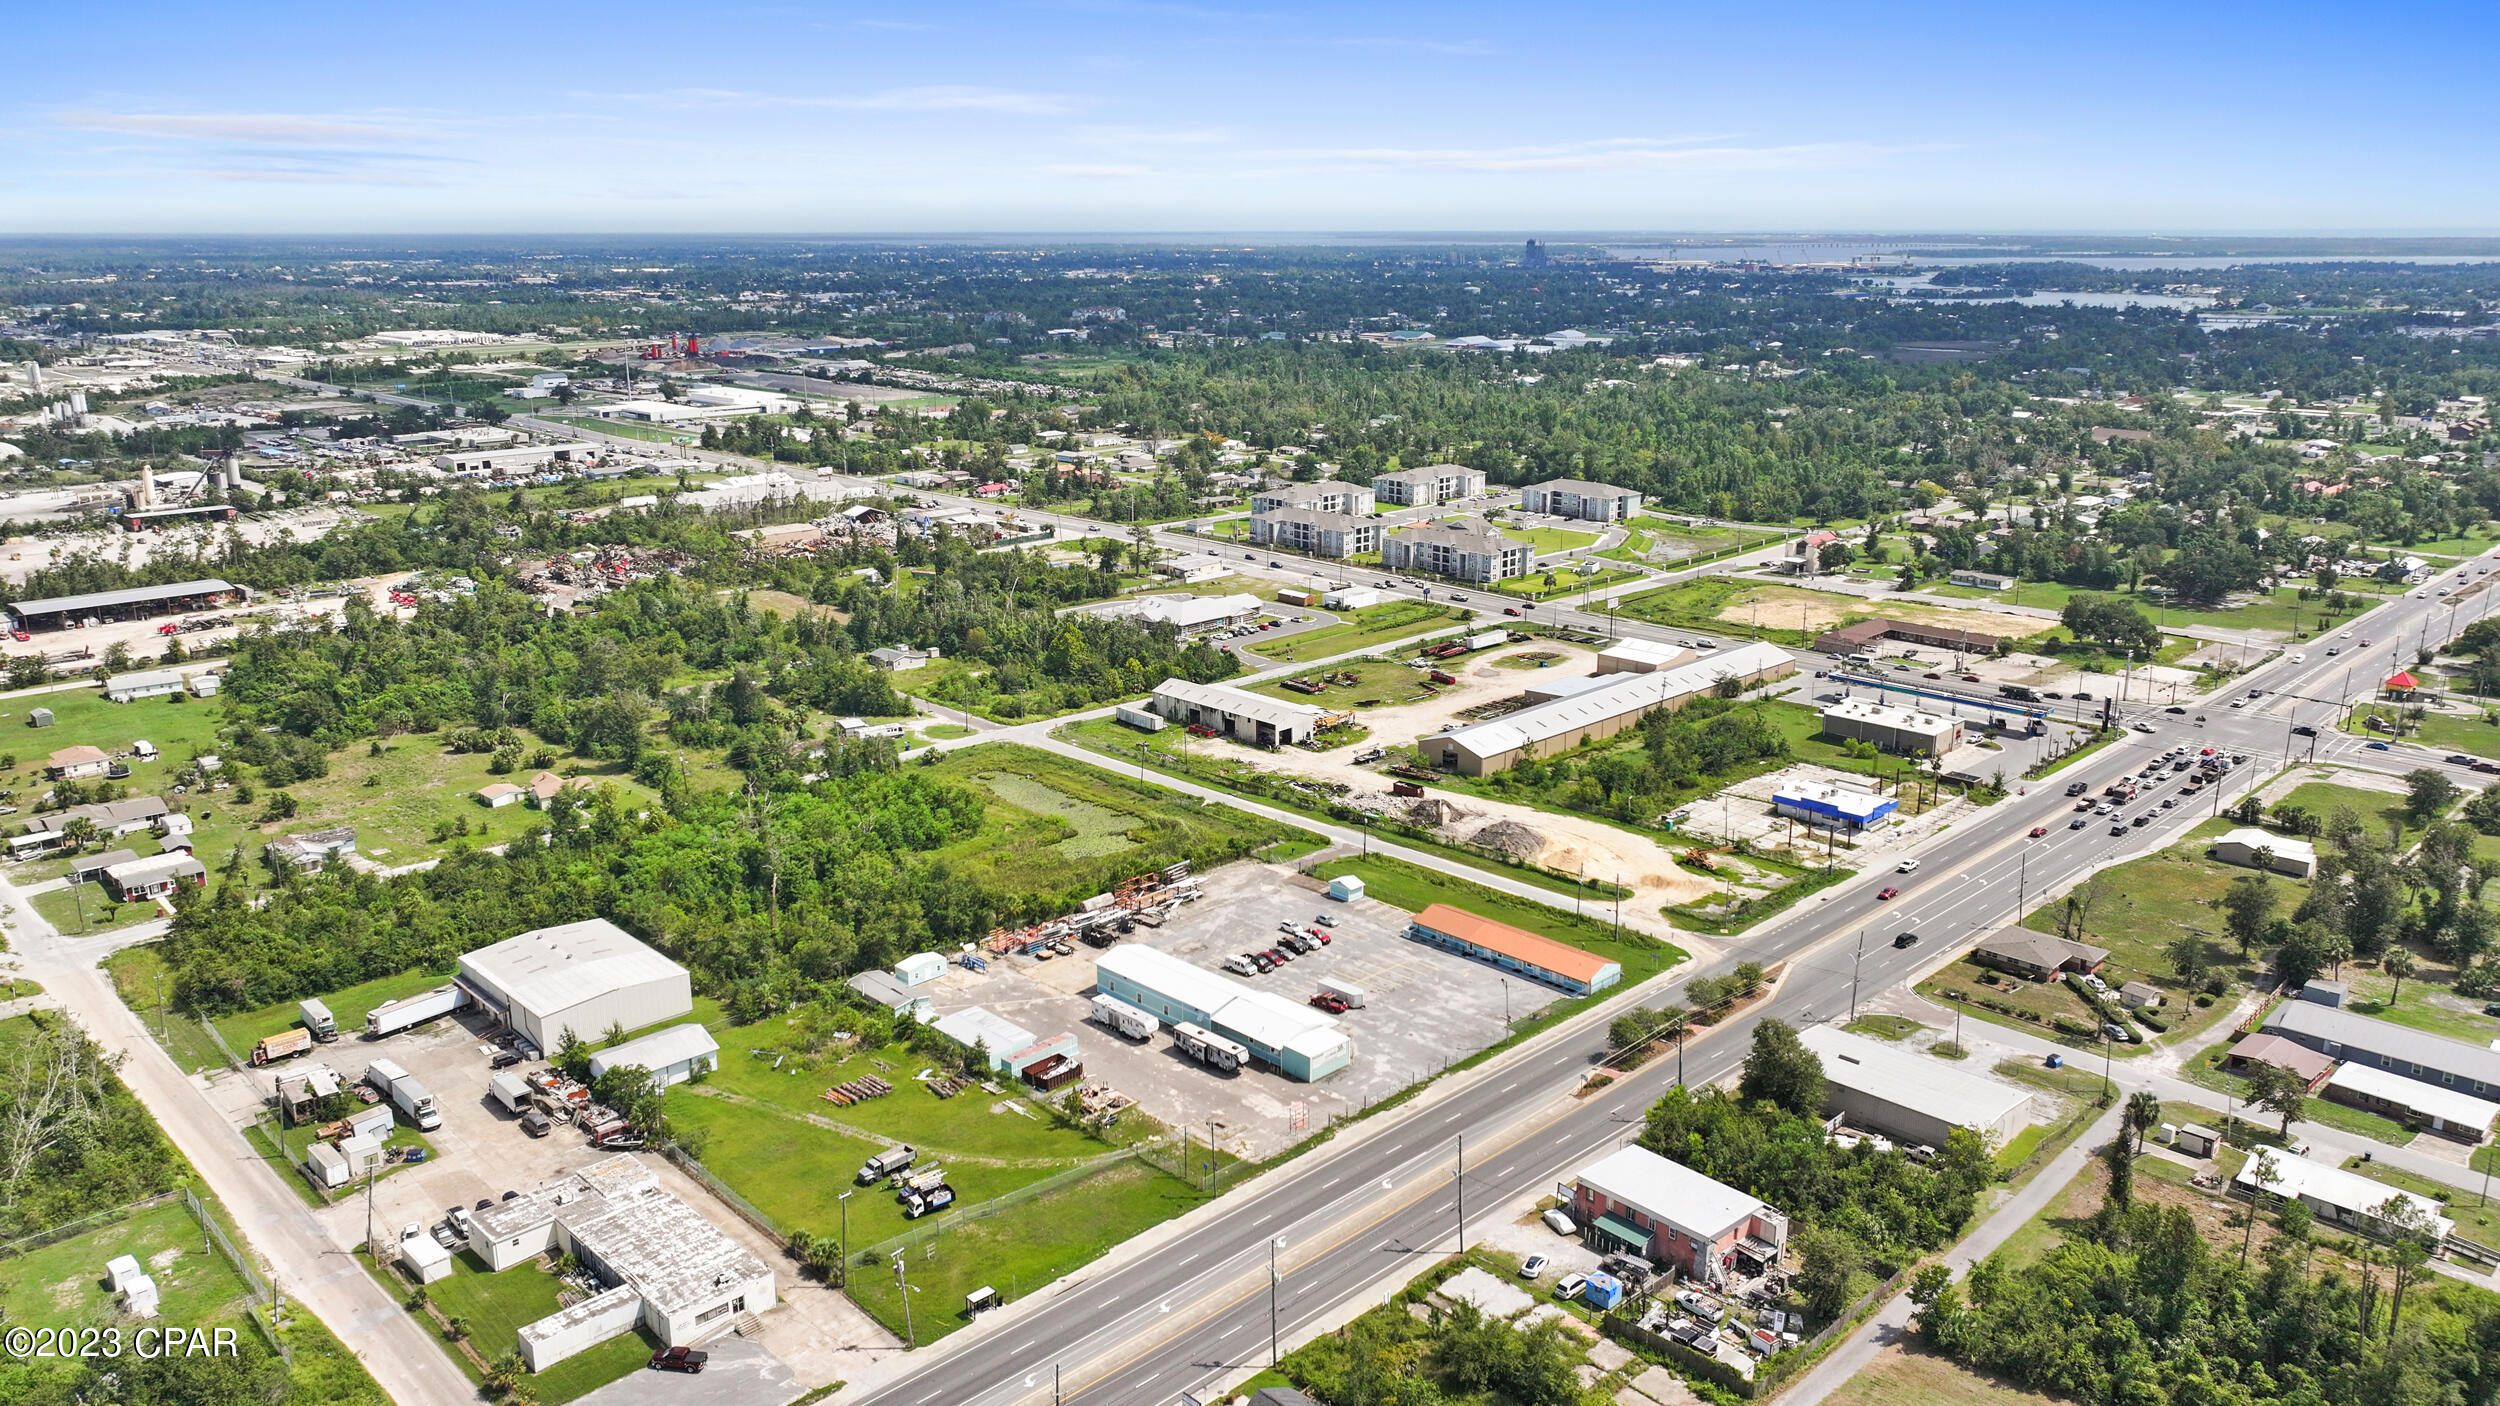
x=1342, y=1222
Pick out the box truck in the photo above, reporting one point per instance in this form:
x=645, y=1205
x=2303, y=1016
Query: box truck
x=920, y=1203
x=1208, y=1048
x=507, y=1089
x=405, y=1094
x=391, y=1017
x=284, y=1045
x=1128, y=1020
x=316, y=1018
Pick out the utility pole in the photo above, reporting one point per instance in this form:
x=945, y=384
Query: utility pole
x=1459, y=1178
x=845, y=1199
x=1853, y=973
x=911, y=1341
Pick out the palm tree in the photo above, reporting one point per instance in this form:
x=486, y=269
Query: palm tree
x=2398, y=963
x=2143, y=1111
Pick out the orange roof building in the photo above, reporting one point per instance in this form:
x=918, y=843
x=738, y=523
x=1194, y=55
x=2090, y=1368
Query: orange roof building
x=2403, y=682
x=1515, y=950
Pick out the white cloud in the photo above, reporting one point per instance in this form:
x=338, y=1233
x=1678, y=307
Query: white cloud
x=1612, y=154
x=1100, y=172
x=935, y=97
x=269, y=128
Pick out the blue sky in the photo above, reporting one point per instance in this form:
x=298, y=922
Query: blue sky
x=1119, y=115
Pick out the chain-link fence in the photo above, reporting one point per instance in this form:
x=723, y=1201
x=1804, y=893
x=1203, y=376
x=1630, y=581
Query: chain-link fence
x=730, y=1198
x=963, y=1215
x=264, y=1299
x=233, y=1061
x=70, y=1230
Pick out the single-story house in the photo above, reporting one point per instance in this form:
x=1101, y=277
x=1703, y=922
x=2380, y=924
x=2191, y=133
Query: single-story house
x=2449, y=1112
x=2287, y=855
x=311, y=851
x=2139, y=996
x=146, y=878
x=2038, y=955
x=896, y=658
x=2339, y=1198
x=496, y=795
x=2311, y=1066
x=546, y=786
x=77, y=763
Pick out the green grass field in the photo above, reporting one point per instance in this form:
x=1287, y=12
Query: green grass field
x=1564, y=581
x=1059, y=824
x=1369, y=628
x=139, y=975
x=62, y=1284
x=2377, y=809
x=2476, y=736
x=1376, y=683
x=494, y=1307
x=1557, y=541
x=348, y=1007
x=89, y=909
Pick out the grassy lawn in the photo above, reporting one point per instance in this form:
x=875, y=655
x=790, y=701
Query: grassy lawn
x=2377, y=809
x=348, y=1007
x=2206, y=1071
x=1560, y=541
x=136, y=972
x=91, y=909
x=2421, y=1001
x=2475, y=1220
x=1413, y=888
x=2478, y=736
x=1361, y=683
x=1885, y=1027
x=495, y=1307
x=1369, y=628
x=1696, y=605
x=1057, y=824
x=1549, y=582
x=63, y=1283
x=1021, y=1249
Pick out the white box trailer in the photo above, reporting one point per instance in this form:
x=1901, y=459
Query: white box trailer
x=1347, y=991
x=1128, y=1020
x=317, y=1019
x=1486, y=639
x=1138, y=718
x=506, y=1088
x=391, y=1017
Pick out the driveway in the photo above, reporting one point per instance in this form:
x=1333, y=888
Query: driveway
x=741, y=1373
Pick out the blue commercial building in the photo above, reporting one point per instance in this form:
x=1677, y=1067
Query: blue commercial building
x=1843, y=808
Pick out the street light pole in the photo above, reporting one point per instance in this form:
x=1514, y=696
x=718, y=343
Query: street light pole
x=1459, y=1178
x=911, y=1341
x=845, y=1199
x=1853, y=973
x=1272, y=1247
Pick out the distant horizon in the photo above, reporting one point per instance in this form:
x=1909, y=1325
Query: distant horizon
x=1129, y=119
x=2009, y=238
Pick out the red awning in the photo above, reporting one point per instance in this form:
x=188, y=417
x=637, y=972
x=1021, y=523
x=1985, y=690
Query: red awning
x=2403, y=683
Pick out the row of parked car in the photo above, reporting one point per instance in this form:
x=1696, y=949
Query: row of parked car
x=1297, y=941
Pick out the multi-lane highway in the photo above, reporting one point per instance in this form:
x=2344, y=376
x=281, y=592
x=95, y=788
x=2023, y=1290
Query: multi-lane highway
x=1342, y=1222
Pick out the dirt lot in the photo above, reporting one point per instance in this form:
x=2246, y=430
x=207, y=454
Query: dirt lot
x=1788, y=608
x=1571, y=841
x=1427, y=1009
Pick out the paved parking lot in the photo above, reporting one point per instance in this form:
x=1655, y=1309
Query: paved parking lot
x=480, y=1152
x=1427, y=1009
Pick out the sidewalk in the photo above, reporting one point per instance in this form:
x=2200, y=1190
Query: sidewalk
x=1892, y=1322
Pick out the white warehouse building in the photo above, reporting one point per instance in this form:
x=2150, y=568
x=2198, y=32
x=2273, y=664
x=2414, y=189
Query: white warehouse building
x=584, y=977
x=660, y=1264
x=1293, y=1039
x=673, y=1055
x=1914, y=1098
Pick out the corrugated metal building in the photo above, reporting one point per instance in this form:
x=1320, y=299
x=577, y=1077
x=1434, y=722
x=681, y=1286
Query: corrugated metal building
x=583, y=977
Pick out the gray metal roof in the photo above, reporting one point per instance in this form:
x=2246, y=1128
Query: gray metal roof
x=2402, y=1044
x=555, y=969
x=135, y=595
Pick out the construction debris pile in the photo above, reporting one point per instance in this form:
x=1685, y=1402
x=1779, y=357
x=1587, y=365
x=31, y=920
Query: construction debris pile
x=1510, y=837
x=1143, y=898
x=594, y=572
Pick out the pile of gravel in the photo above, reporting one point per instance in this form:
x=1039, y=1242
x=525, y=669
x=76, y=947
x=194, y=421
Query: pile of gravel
x=1510, y=837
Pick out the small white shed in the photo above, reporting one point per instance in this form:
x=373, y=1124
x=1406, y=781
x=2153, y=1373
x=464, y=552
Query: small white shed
x=920, y=968
x=425, y=1259
x=1345, y=888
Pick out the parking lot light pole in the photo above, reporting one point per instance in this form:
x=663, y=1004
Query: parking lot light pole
x=911, y=1341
